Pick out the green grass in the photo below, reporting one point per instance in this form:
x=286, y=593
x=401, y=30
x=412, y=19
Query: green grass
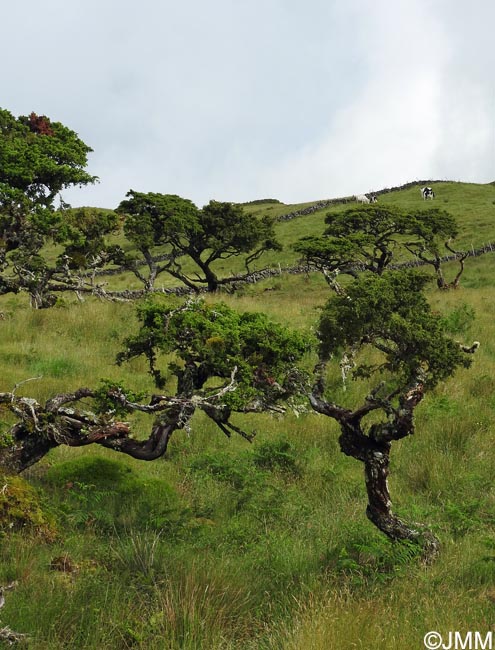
x=226, y=545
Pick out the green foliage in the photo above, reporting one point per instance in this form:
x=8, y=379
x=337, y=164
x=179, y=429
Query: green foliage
x=219, y=231
x=105, y=401
x=39, y=159
x=459, y=319
x=431, y=227
x=278, y=454
x=83, y=235
x=391, y=313
x=209, y=341
x=464, y=516
x=368, y=558
x=154, y=219
x=108, y=496
x=250, y=493
x=370, y=237
x=234, y=472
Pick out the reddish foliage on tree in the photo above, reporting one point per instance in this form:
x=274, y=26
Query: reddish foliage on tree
x=40, y=124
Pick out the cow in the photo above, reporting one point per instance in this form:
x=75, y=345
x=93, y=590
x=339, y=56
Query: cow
x=427, y=193
x=363, y=198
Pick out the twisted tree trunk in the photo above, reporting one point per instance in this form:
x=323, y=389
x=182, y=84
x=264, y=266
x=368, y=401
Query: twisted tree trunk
x=379, y=509
x=373, y=450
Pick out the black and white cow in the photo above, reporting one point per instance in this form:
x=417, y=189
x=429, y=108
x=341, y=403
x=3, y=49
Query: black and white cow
x=427, y=193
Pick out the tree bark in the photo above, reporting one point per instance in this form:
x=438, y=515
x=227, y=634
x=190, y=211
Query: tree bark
x=42, y=428
x=375, y=455
x=373, y=450
x=379, y=509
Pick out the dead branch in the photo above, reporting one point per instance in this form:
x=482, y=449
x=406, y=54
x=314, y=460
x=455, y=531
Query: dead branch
x=6, y=634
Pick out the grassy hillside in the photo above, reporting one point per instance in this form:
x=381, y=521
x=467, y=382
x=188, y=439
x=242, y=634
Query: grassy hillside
x=226, y=545
x=472, y=205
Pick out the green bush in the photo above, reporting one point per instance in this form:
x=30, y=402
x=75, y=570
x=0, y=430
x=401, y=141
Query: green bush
x=21, y=508
x=277, y=455
x=109, y=496
x=459, y=319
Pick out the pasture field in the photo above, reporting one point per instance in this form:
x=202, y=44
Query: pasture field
x=226, y=545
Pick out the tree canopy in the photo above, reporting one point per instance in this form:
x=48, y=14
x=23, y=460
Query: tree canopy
x=371, y=237
x=430, y=232
x=219, y=230
x=39, y=158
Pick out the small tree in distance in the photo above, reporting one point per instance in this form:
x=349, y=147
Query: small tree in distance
x=372, y=237
x=428, y=232
x=361, y=238
x=217, y=232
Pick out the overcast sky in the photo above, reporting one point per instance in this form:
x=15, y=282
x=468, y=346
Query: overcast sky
x=236, y=100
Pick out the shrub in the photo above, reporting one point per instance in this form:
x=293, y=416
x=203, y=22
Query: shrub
x=108, y=495
x=277, y=455
x=21, y=508
x=459, y=319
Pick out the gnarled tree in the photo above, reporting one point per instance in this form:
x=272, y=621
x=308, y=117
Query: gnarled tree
x=38, y=159
x=361, y=238
x=216, y=232
x=431, y=231
x=223, y=362
x=384, y=331
x=372, y=237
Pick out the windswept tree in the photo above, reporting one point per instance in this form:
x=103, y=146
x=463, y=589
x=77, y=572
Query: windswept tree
x=372, y=237
x=194, y=239
x=83, y=235
x=220, y=362
x=38, y=159
x=381, y=330
x=361, y=238
x=430, y=233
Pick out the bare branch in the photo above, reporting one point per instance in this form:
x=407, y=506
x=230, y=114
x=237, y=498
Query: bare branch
x=6, y=634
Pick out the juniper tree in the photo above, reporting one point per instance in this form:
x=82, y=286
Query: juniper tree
x=38, y=160
x=222, y=363
x=381, y=329
x=372, y=237
x=361, y=238
x=218, y=231
x=429, y=232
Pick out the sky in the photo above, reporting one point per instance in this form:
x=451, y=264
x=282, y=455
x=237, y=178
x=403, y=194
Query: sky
x=249, y=99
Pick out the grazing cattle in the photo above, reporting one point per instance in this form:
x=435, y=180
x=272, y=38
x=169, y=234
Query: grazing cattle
x=427, y=193
x=363, y=198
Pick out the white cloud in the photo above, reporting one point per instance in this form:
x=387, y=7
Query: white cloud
x=276, y=98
